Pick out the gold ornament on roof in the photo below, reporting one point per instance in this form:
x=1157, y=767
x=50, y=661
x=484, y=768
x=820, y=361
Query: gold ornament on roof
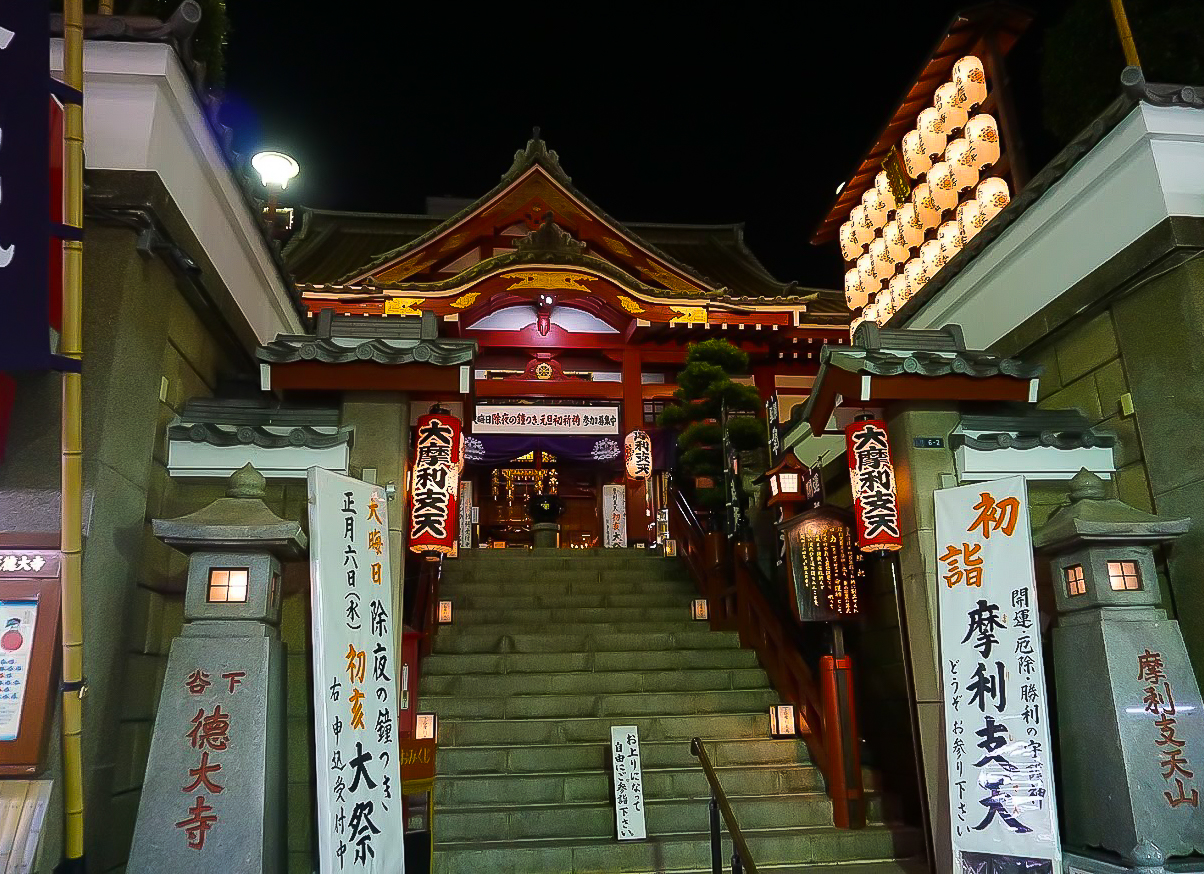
x=668, y=280
x=466, y=300
x=403, y=306
x=689, y=314
x=406, y=268
x=616, y=246
x=547, y=279
x=630, y=305
x=453, y=241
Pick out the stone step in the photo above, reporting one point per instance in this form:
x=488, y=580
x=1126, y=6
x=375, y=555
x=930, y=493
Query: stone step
x=617, y=708
x=499, y=583
x=592, y=729
x=562, y=558
x=520, y=613
x=526, y=758
x=481, y=685
x=467, y=641
x=645, y=600
x=441, y=664
x=684, y=853
x=500, y=626
x=568, y=788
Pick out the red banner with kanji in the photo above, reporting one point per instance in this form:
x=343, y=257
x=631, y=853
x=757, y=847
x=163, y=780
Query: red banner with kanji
x=436, y=478
x=876, y=504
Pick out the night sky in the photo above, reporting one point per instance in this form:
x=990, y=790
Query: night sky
x=716, y=113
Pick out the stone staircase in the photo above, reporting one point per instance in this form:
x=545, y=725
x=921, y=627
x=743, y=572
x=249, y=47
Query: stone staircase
x=550, y=648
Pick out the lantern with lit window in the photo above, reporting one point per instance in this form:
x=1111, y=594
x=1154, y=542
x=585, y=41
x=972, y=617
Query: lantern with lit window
x=971, y=79
x=928, y=213
x=983, y=135
x=896, y=246
x=785, y=484
x=992, y=195
x=910, y=225
x=637, y=454
x=953, y=106
x=965, y=166
x=943, y=185
x=915, y=157
x=931, y=126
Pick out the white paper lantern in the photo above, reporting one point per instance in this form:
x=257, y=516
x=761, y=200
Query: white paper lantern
x=869, y=282
x=983, y=134
x=943, y=185
x=910, y=225
x=927, y=211
x=933, y=258
x=875, y=207
x=854, y=325
x=952, y=105
x=869, y=314
x=896, y=246
x=915, y=158
x=915, y=273
x=992, y=195
x=885, y=192
x=899, y=290
x=880, y=262
x=863, y=228
x=961, y=158
x=854, y=294
x=950, y=238
x=849, y=247
x=637, y=452
x=970, y=220
x=971, y=78
x=931, y=127
x=883, y=306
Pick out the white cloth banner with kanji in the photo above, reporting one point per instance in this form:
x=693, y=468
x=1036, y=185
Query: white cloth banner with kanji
x=1001, y=787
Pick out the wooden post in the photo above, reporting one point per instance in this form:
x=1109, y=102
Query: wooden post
x=840, y=736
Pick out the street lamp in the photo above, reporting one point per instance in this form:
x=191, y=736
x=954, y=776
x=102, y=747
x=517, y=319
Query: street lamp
x=275, y=169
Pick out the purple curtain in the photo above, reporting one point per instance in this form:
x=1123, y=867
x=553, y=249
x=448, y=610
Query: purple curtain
x=493, y=449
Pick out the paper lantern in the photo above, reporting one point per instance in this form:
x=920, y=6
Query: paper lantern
x=433, y=484
x=971, y=78
x=882, y=265
x=915, y=273
x=983, y=135
x=927, y=211
x=961, y=158
x=910, y=225
x=992, y=195
x=970, y=220
x=875, y=207
x=863, y=228
x=865, y=266
x=896, y=246
x=854, y=294
x=884, y=306
x=899, y=291
x=943, y=185
x=915, y=158
x=885, y=192
x=933, y=258
x=849, y=247
x=872, y=476
x=854, y=325
x=952, y=105
x=637, y=453
x=950, y=238
x=931, y=126
x=868, y=314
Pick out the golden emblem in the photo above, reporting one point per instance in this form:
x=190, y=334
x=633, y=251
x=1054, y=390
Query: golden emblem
x=667, y=279
x=630, y=305
x=553, y=280
x=689, y=314
x=466, y=300
x=453, y=241
x=543, y=370
x=403, y=306
x=616, y=246
x=406, y=268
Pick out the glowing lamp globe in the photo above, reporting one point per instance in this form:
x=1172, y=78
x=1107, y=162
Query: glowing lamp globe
x=933, y=258
x=885, y=193
x=952, y=104
x=950, y=238
x=961, y=158
x=992, y=195
x=899, y=291
x=915, y=273
x=915, y=157
x=931, y=127
x=970, y=77
x=275, y=169
x=849, y=247
x=983, y=135
x=943, y=185
x=863, y=228
x=637, y=453
x=883, y=306
x=892, y=235
x=970, y=220
x=881, y=263
x=910, y=225
x=875, y=207
x=927, y=211
x=854, y=295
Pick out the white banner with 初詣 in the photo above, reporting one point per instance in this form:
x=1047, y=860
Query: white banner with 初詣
x=1001, y=788
x=614, y=516
x=360, y=826
x=544, y=419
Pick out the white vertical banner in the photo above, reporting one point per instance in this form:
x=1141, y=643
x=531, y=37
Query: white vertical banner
x=1001, y=787
x=360, y=825
x=629, y=783
x=614, y=516
x=466, y=508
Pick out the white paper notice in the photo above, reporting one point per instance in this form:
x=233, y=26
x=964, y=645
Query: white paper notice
x=614, y=516
x=629, y=782
x=17, y=620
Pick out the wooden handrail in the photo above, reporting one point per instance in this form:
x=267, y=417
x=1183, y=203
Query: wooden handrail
x=729, y=817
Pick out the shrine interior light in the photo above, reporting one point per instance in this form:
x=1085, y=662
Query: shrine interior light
x=426, y=727
x=445, y=612
x=227, y=585
x=781, y=720
x=698, y=609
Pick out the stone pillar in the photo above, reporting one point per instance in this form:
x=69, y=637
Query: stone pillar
x=633, y=419
x=918, y=473
x=382, y=441
x=213, y=797
x=1130, y=726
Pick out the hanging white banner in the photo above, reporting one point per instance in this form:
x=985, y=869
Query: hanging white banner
x=1001, y=788
x=544, y=419
x=360, y=827
x=614, y=516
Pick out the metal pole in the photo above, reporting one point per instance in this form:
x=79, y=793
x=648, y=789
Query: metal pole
x=716, y=839
x=737, y=867
x=1126, y=35
x=71, y=536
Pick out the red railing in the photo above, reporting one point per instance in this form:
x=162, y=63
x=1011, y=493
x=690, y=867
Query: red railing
x=823, y=710
x=424, y=617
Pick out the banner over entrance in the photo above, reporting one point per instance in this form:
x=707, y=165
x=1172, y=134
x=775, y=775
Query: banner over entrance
x=545, y=419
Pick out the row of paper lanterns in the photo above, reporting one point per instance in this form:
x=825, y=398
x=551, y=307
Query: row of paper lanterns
x=881, y=234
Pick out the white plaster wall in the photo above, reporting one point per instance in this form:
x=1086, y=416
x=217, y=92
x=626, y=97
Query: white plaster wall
x=140, y=113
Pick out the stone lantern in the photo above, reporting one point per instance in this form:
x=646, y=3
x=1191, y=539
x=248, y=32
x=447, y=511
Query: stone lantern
x=213, y=797
x=1130, y=724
